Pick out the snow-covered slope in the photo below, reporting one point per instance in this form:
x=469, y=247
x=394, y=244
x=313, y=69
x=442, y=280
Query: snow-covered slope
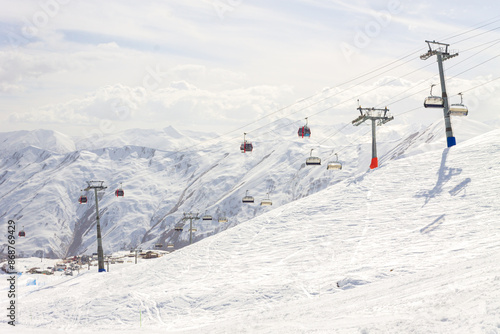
x=40, y=185
x=412, y=246
x=424, y=139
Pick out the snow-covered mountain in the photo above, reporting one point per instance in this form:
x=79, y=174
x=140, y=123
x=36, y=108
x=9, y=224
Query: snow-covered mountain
x=48, y=140
x=410, y=247
x=165, y=173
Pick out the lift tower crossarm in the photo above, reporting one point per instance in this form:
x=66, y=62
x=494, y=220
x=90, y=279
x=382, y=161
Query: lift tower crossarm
x=439, y=48
x=372, y=114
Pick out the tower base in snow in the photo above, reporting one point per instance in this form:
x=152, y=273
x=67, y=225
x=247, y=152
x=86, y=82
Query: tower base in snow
x=451, y=141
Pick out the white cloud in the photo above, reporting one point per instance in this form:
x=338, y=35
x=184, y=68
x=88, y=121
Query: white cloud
x=108, y=46
x=182, y=62
x=17, y=67
x=178, y=103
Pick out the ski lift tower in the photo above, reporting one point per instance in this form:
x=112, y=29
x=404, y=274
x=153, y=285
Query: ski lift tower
x=378, y=117
x=98, y=185
x=190, y=217
x=441, y=51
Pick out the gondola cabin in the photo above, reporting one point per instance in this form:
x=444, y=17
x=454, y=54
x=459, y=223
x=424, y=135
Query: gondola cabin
x=22, y=233
x=313, y=160
x=82, y=200
x=304, y=132
x=119, y=192
x=246, y=146
x=247, y=198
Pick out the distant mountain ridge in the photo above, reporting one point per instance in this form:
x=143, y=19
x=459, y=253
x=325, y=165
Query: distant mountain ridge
x=43, y=172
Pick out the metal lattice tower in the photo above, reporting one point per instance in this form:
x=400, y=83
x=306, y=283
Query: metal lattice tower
x=440, y=50
x=378, y=117
x=98, y=185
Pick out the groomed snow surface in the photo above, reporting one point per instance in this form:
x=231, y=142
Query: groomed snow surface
x=411, y=247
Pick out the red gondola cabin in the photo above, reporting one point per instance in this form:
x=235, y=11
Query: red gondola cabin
x=304, y=131
x=246, y=146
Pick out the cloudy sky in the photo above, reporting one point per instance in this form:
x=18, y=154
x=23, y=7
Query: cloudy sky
x=216, y=65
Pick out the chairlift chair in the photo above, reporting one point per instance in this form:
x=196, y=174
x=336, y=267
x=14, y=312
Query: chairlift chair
x=304, y=131
x=313, y=160
x=334, y=164
x=170, y=245
x=459, y=109
x=223, y=218
x=247, y=199
x=119, y=192
x=433, y=101
x=246, y=146
x=206, y=217
x=158, y=245
x=266, y=201
x=179, y=227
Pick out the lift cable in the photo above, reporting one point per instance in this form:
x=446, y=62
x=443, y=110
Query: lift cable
x=496, y=19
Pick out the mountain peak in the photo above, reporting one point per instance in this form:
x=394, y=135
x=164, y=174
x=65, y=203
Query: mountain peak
x=172, y=132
